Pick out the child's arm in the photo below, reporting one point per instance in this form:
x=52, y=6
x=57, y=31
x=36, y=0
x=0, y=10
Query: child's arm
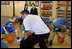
x=11, y=20
x=23, y=30
x=5, y=30
x=28, y=33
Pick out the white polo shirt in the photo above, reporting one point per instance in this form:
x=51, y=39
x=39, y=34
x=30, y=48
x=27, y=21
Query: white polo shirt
x=35, y=24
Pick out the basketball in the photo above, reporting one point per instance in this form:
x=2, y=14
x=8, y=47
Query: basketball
x=60, y=39
x=50, y=12
x=10, y=39
x=45, y=5
x=50, y=6
x=46, y=12
x=43, y=12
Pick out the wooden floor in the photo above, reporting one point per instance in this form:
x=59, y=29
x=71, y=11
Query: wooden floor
x=15, y=44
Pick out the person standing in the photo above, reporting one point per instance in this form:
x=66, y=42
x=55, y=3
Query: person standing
x=26, y=8
x=33, y=10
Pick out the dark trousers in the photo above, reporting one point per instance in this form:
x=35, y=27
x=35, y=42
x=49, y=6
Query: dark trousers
x=34, y=39
x=20, y=21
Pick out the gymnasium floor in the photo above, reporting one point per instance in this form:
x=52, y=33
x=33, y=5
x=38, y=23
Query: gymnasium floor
x=15, y=44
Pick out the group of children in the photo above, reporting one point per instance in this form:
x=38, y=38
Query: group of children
x=60, y=25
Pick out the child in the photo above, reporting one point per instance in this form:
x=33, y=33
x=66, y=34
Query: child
x=59, y=25
x=6, y=27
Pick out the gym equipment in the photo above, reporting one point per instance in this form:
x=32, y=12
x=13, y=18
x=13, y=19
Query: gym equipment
x=68, y=17
x=50, y=6
x=50, y=12
x=10, y=39
x=61, y=10
x=46, y=12
x=61, y=4
x=60, y=16
x=68, y=10
x=61, y=39
x=45, y=5
x=43, y=12
x=68, y=14
x=65, y=7
x=69, y=20
x=61, y=13
x=46, y=1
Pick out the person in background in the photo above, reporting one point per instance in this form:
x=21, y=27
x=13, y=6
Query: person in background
x=26, y=8
x=33, y=10
x=20, y=19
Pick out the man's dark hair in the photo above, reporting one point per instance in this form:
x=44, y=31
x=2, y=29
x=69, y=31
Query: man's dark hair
x=25, y=4
x=25, y=12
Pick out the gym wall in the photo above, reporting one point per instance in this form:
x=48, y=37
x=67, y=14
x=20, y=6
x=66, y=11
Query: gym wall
x=19, y=5
x=7, y=10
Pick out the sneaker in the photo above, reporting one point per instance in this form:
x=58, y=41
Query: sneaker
x=18, y=40
x=50, y=42
x=23, y=38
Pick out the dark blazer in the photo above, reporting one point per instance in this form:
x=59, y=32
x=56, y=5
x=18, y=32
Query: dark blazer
x=34, y=11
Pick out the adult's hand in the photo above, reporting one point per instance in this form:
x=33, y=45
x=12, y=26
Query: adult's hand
x=29, y=33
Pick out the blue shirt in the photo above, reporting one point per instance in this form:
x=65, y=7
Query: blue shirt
x=60, y=22
x=18, y=17
x=7, y=23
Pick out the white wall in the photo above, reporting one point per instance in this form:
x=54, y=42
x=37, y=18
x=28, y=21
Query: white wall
x=7, y=10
